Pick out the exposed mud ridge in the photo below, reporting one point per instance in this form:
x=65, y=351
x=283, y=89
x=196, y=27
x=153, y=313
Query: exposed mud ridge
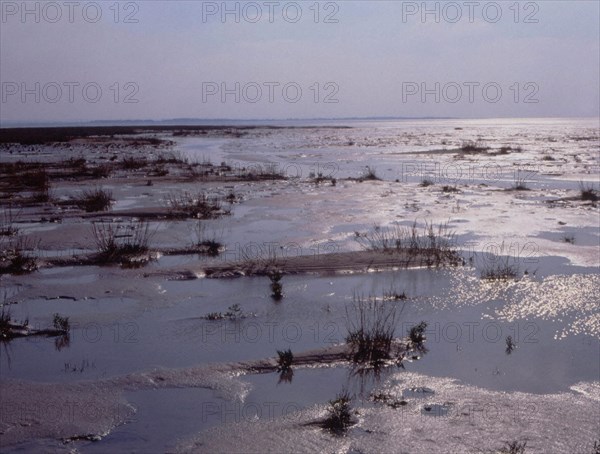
x=359, y=261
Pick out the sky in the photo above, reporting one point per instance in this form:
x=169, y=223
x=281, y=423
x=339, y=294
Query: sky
x=107, y=60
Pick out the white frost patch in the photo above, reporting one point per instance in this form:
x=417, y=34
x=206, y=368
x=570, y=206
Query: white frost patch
x=477, y=421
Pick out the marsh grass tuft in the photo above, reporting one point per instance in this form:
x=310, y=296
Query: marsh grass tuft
x=520, y=184
x=510, y=345
x=8, y=219
x=126, y=244
x=16, y=258
x=587, y=193
x=433, y=246
x=369, y=174
x=371, y=327
x=276, y=285
x=448, y=188
x=93, y=200
x=284, y=360
x=416, y=334
x=500, y=270
x=205, y=243
x=134, y=163
x=514, y=447
x=5, y=323
x=339, y=417
x=234, y=312
x=199, y=206
x=61, y=323
x=471, y=147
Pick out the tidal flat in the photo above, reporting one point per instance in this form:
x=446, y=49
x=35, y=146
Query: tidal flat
x=334, y=286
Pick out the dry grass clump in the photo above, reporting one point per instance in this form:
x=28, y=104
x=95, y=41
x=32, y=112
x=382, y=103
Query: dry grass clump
x=127, y=244
x=434, y=246
x=93, y=200
x=199, y=206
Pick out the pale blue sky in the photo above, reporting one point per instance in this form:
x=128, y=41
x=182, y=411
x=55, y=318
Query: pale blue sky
x=365, y=58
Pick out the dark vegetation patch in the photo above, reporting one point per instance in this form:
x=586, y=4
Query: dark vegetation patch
x=471, y=147
x=587, y=192
x=339, y=414
x=11, y=329
x=371, y=327
x=93, y=200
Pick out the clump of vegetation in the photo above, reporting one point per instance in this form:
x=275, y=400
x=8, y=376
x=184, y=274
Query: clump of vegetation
x=416, y=334
x=35, y=179
x=38, y=181
x=101, y=171
x=15, y=257
x=587, y=193
x=520, y=184
x=173, y=157
x=433, y=246
x=371, y=326
x=514, y=447
x=10, y=329
x=234, y=312
x=133, y=163
x=257, y=173
x=199, y=206
x=507, y=150
x=448, y=188
x=94, y=200
x=388, y=400
x=497, y=268
x=276, y=285
x=339, y=418
x=127, y=244
x=319, y=178
x=369, y=174
x=5, y=324
x=7, y=222
x=284, y=360
x=510, y=345
x=500, y=270
x=393, y=295
x=471, y=147
x=61, y=323
x=425, y=182
x=205, y=244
